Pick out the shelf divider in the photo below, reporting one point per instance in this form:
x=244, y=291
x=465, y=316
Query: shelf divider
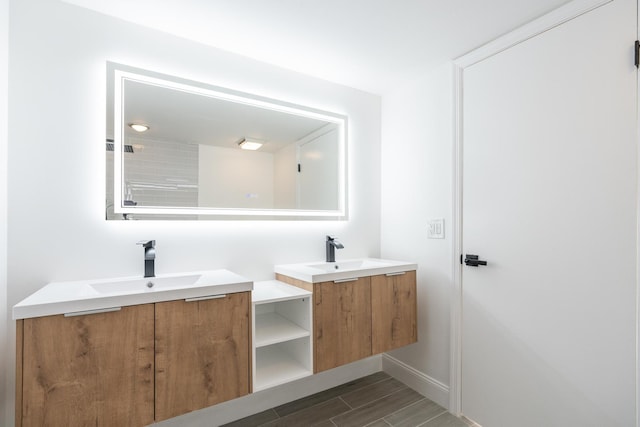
x=271, y=328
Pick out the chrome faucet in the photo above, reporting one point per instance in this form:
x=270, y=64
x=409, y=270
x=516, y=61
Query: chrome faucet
x=149, y=256
x=331, y=245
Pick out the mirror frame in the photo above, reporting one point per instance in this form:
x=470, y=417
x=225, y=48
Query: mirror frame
x=117, y=74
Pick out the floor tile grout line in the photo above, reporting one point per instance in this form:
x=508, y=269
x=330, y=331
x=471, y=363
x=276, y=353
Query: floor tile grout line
x=317, y=404
x=349, y=406
x=432, y=418
x=375, y=421
x=338, y=396
x=387, y=423
x=382, y=397
x=276, y=419
x=412, y=404
x=404, y=407
x=368, y=385
x=343, y=401
x=353, y=391
x=390, y=394
x=389, y=377
x=313, y=406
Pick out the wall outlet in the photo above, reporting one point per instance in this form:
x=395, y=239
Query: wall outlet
x=435, y=229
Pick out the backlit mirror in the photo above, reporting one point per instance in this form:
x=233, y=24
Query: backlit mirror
x=179, y=149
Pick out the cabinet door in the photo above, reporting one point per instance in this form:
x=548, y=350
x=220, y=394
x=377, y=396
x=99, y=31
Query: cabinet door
x=92, y=370
x=342, y=322
x=202, y=353
x=393, y=311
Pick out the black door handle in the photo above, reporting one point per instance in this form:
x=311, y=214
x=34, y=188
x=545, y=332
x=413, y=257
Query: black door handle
x=473, y=260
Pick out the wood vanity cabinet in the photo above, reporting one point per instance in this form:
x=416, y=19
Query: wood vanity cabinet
x=134, y=366
x=358, y=318
x=86, y=370
x=341, y=322
x=202, y=353
x=394, y=311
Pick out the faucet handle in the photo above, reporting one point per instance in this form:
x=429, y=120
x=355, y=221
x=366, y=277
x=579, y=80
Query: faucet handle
x=147, y=243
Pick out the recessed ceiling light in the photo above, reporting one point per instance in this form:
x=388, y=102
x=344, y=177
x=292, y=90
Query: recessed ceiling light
x=247, y=144
x=138, y=127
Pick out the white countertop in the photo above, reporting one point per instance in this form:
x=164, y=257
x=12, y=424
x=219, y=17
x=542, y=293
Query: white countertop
x=273, y=291
x=86, y=295
x=315, y=272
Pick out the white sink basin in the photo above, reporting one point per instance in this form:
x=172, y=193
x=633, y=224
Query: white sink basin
x=148, y=284
x=348, y=269
x=364, y=264
x=88, y=295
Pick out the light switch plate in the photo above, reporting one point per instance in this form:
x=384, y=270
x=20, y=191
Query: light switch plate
x=435, y=229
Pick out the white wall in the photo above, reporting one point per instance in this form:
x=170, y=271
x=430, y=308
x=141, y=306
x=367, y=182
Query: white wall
x=417, y=134
x=56, y=177
x=5, y=356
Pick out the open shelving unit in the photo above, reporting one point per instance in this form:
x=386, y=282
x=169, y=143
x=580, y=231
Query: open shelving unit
x=282, y=344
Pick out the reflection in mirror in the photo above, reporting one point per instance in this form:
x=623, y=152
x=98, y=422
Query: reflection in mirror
x=178, y=149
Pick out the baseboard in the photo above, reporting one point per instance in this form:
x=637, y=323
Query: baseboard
x=420, y=382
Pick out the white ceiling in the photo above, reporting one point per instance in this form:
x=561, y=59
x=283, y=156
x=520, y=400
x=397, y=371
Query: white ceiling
x=180, y=116
x=366, y=44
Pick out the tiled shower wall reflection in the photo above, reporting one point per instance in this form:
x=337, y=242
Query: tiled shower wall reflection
x=157, y=173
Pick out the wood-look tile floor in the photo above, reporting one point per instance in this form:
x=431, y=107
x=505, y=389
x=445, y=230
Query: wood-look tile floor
x=377, y=400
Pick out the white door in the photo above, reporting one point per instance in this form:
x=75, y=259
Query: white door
x=549, y=201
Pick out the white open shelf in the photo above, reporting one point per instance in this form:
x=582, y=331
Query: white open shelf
x=272, y=328
x=282, y=345
x=275, y=366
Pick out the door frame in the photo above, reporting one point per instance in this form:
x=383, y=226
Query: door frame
x=538, y=26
